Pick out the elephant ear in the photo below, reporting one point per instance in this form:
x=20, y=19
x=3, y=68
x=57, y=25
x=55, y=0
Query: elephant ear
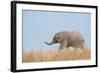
x=62, y=39
x=65, y=39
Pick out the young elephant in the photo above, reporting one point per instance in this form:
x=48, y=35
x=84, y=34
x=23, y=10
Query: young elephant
x=68, y=39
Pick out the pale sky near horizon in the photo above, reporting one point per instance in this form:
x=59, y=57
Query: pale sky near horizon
x=41, y=26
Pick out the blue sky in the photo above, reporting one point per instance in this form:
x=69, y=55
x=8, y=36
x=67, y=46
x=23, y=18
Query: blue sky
x=41, y=26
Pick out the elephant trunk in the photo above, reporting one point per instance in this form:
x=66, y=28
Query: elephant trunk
x=49, y=43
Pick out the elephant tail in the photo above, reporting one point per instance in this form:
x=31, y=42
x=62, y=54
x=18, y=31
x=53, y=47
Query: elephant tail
x=84, y=44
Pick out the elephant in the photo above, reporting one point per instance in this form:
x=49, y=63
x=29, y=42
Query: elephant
x=68, y=39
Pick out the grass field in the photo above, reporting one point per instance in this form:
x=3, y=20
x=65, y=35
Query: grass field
x=57, y=55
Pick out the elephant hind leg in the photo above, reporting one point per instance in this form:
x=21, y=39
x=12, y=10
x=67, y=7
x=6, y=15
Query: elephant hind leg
x=63, y=45
x=80, y=46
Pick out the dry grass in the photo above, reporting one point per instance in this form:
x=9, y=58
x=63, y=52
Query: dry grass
x=61, y=55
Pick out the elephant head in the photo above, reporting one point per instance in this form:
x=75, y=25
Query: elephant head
x=57, y=39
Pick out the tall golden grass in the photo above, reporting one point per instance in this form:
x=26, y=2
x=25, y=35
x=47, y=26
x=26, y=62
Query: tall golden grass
x=60, y=55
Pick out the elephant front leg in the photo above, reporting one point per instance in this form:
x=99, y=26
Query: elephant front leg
x=63, y=45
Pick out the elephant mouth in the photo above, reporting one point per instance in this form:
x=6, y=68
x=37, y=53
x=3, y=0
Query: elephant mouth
x=56, y=41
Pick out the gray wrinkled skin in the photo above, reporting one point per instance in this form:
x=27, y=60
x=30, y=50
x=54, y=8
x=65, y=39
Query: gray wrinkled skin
x=68, y=39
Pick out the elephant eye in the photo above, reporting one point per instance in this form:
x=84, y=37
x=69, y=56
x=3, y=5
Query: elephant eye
x=56, y=38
